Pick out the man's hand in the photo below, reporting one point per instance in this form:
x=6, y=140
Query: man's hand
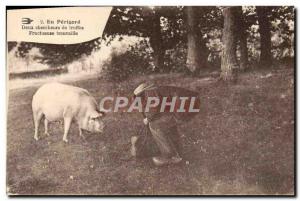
x=146, y=122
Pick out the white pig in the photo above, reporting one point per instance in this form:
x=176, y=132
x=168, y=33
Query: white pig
x=56, y=101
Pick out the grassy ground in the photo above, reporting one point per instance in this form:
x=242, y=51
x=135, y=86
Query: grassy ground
x=242, y=142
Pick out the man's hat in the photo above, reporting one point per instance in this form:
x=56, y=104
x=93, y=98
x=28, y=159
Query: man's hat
x=143, y=87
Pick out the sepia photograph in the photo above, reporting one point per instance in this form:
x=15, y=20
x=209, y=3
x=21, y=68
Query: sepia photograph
x=150, y=101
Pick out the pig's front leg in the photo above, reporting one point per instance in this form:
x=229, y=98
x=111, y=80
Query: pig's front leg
x=67, y=124
x=79, y=123
x=46, y=122
x=80, y=132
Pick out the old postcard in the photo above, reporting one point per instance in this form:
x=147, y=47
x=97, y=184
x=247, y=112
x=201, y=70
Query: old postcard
x=151, y=100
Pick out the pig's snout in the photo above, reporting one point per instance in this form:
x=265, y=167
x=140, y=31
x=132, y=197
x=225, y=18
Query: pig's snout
x=99, y=127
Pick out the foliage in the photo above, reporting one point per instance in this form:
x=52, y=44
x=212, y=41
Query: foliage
x=56, y=55
x=136, y=60
x=139, y=21
x=175, y=58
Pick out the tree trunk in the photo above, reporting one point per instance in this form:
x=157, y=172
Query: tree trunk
x=229, y=64
x=242, y=39
x=195, y=57
x=265, y=36
x=203, y=51
x=156, y=43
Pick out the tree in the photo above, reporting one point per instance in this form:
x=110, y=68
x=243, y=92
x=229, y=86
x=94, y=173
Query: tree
x=229, y=63
x=156, y=41
x=142, y=22
x=200, y=21
x=242, y=35
x=265, y=35
x=193, y=61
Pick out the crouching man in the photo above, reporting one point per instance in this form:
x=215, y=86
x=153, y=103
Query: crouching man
x=163, y=108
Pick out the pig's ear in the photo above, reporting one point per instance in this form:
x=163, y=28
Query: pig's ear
x=101, y=114
x=94, y=115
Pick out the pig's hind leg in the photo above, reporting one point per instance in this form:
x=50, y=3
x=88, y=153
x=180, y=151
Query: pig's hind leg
x=37, y=116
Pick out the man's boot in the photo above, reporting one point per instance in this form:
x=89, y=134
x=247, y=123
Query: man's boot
x=160, y=160
x=133, y=147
